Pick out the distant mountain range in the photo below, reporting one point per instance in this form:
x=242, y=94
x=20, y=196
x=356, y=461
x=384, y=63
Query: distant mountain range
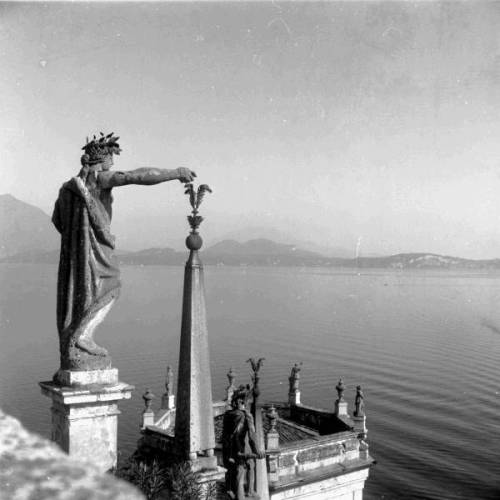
x=27, y=235
x=24, y=228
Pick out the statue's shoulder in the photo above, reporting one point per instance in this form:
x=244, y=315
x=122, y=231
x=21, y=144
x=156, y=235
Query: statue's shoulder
x=75, y=186
x=71, y=185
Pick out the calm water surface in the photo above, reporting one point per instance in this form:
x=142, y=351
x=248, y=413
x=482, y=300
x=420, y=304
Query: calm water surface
x=424, y=345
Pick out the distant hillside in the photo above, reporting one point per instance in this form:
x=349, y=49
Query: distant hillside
x=246, y=233
x=261, y=252
x=24, y=228
x=268, y=253
x=423, y=261
x=27, y=235
x=153, y=256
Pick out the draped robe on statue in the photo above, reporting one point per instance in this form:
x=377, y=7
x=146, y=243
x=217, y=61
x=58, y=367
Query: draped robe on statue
x=238, y=446
x=88, y=278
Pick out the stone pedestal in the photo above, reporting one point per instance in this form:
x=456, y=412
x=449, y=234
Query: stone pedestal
x=272, y=453
x=168, y=402
x=341, y=408
x=272, y=441
x=148, y=418
x=294, y=398
x=85, y=415
x=360, y=425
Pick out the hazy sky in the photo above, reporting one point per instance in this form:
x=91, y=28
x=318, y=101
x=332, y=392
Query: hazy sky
x=341, y=123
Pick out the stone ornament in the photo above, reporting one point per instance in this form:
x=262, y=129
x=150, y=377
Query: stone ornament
x=148, y=397
x=272, y=416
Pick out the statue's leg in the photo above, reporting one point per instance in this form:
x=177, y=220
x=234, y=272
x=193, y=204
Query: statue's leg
x=86, y=341
x=240, y=481
x=251, y=477
x=231, y=483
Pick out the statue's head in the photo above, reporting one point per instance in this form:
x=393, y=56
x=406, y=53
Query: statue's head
x=101, y=150
x=240, y=397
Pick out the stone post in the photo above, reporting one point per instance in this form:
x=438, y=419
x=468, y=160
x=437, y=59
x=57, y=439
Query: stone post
x=194, y=422
x=272, y=446
x=85, y=413
x=194, y=419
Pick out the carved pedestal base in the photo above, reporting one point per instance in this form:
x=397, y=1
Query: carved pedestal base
x=294, y=398
x=71, y=378
x=85, y=417
x=360, y=425
x=341, y=408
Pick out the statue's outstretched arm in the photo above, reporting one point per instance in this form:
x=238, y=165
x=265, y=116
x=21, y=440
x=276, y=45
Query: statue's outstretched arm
x=145, y=176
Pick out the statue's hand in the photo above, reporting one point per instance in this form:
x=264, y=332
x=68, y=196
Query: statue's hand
x=261, y=454
x=185, y=175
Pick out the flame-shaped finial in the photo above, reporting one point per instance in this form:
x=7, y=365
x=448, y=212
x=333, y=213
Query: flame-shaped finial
x=194, y=241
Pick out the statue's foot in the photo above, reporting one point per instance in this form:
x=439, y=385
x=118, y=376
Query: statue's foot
x=88, y=345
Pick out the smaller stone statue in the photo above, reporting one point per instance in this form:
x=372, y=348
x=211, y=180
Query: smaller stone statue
x=169, y=382
x=359, y=403
x=340, y=388
x=295, y=377
x=168, y=399
x=231, y=376
x=231, y=387
x=239, y=447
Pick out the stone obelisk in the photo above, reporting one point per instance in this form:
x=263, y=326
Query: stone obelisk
x=194, y=420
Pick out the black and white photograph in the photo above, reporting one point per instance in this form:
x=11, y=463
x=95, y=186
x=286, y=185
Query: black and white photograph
x=250, y=250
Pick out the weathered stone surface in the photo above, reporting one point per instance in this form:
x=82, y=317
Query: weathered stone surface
x=32, y=468
x=320, y=452
x=194, y=423
x=336, y=484
x=360, y=425
x=88, y=277
x=85, y=420
x=88, y=377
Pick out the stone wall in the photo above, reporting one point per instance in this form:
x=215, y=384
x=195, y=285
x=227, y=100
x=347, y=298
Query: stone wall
x=314, y=454
x=32, y=468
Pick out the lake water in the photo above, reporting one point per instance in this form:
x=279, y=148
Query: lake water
x=424, y=345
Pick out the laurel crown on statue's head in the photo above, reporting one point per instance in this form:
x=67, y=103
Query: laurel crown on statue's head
x=99, y=148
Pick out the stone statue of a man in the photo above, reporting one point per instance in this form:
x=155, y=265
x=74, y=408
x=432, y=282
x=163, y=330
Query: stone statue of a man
x=239, y=447
x=88, y=277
